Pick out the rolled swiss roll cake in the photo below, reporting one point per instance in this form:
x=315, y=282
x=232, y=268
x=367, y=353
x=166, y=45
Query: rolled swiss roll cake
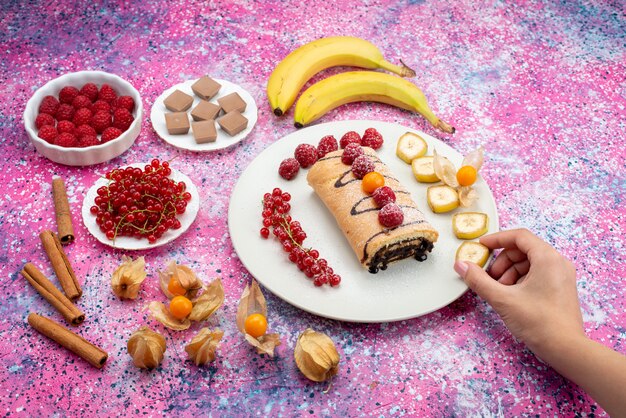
x=356, y=213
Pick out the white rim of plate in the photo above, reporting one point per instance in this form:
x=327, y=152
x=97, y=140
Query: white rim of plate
x=187, y=142
x=132, y=243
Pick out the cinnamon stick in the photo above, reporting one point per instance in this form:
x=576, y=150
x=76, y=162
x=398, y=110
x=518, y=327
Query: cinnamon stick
x=73, y=342
x=61, y=264
x=58, y=300
x=62, y=211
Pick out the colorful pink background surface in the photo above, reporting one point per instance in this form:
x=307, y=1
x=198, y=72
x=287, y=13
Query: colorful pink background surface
x=540, y=85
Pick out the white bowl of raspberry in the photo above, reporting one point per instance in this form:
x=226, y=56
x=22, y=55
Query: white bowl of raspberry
x=84, y=118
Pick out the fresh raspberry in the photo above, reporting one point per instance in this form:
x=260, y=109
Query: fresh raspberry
x=289, y=168
x=350, y=152
x=48, y=133
x=67, y=94
x=65, y=112
x=81, y=101
x=326, y=145
x=107, y=94
x=91, y=91
x=383, y=195
x=372, y=138
x=66, y=126
x=306, y=155
x=390, y=215
x=124, y=102
x=110, y=134
x=49, y=105
x=349, y=138
x=122, y=119
x=43, y=119
x=100, y=121
x=85, y=130
x=362, y=165
x=82, y=117
x=66, y=140
x=101, y=106
x=88, y=141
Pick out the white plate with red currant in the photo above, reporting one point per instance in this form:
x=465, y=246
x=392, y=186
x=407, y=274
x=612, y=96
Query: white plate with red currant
x=140, y=206
x=309, y=263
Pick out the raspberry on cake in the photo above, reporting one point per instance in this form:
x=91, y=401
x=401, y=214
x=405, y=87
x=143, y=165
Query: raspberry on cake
x=350, y=152
x=362, y=165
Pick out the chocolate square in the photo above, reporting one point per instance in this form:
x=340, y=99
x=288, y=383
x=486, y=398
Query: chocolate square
x=232, y=102
x=233, y=123
x=206, y=87
x=204, y=131
x=177, y=123
x=205, y=111
x=178, y=101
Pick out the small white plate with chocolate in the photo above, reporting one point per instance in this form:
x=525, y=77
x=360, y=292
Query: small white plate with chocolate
x=204, y=115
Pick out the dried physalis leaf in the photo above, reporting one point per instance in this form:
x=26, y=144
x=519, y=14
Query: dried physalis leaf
x=179, y=280
x=445, y=170
x=474, y=158
x=208, y=302
x=127, y=278
x=202, y=348
x=160, y=312
x=467, y=196
x=253, y=302
x=146, y=347
x=316, y=355
x=265, y=344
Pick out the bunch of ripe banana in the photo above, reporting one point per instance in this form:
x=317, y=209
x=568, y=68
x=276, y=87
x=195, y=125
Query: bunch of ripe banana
x=299, y=66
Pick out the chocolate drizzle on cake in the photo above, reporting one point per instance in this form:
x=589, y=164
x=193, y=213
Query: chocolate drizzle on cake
x=354, y=211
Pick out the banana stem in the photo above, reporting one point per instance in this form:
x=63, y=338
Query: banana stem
x=444, y=126
x=402, y=70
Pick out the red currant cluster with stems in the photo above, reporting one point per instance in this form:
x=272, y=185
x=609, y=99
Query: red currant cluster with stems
x=276, y=217
x=140, y=203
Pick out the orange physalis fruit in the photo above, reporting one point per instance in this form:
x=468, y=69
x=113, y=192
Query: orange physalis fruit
x=175, y=288
x=372, y=181
x=255, y=325
x=180, y=307
x=466, y=176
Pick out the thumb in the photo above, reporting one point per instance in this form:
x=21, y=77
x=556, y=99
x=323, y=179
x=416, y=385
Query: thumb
x=479, y=281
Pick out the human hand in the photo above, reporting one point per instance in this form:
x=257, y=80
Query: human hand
x=531, y=286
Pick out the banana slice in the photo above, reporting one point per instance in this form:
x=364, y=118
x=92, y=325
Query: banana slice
x=470, y=225
x=474, y=252
x=442, y=198
x=410, y=146
x=423, y=170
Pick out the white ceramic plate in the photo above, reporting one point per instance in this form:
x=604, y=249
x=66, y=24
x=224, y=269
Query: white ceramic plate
x=407, y=289
x=187, y=142
x=131, y=243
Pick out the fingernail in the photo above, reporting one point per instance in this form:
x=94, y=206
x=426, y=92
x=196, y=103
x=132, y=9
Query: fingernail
x=461, y=268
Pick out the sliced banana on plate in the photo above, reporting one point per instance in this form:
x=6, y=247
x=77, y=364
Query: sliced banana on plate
x=442, y=198
x=423, y=170
x=470, y=225
x=411, y=146
x=473, y=252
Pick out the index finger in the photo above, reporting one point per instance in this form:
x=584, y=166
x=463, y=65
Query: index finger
x=522, y=239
